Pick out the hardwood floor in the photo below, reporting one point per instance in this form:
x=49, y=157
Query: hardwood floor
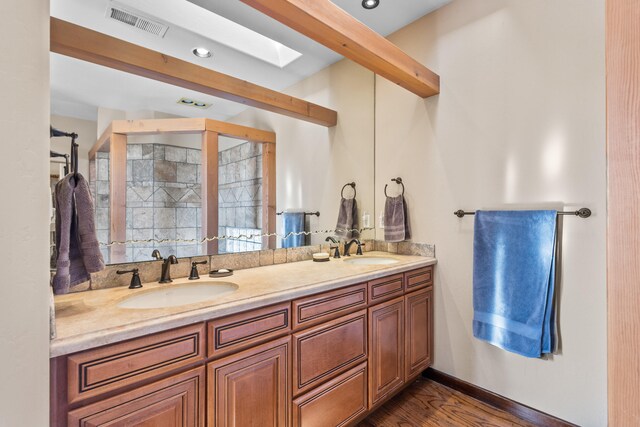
x=427, y=403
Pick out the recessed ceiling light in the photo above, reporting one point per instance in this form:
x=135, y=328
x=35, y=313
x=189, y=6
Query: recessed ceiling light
x=370, y=4
x=201, y=52
x=193, y=103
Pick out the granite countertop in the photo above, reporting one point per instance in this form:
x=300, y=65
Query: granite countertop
x=91, y=319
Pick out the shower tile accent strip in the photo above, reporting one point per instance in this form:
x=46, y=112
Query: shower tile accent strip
x=150, y=270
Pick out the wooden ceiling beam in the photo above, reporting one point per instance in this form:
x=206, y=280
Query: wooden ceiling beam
x=327, y=24
x=88, y=45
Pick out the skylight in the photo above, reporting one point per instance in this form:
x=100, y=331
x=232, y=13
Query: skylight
x=217, y=28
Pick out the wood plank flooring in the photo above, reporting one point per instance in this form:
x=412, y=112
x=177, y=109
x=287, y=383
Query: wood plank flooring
x=427, y=403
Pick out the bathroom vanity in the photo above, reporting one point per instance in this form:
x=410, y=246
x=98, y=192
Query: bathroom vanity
x=298, y=344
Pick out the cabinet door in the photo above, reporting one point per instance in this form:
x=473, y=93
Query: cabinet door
x=251, y=388
x=386, y=349
x=177, y=401
x=419, y=331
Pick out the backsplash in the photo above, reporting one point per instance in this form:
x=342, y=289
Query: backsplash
x=150, y=270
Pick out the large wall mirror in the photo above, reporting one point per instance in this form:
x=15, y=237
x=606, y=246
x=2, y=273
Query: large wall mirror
x=149, y=144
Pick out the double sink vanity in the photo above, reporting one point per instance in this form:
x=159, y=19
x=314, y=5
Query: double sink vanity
x=295, y=344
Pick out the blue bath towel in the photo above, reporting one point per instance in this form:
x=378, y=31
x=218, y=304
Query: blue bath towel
x=513, y=280
x=293, y=222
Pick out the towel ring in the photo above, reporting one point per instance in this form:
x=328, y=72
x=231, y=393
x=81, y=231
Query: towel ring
x=398, y=181
x=348, y=184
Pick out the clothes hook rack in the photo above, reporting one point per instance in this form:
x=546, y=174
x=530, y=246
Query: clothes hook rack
x=582, y=213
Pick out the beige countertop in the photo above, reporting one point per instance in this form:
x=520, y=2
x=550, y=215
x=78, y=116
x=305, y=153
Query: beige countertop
x=91, y=319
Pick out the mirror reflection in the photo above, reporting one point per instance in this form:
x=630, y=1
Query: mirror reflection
x=158, y=192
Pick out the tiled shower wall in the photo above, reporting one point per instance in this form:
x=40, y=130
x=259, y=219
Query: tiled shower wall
x=240, y=197
x=163, y=199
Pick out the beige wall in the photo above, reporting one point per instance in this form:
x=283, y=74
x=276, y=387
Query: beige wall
x=24, y=166
x=86, y=130
x=314, y=162
x=520, y=122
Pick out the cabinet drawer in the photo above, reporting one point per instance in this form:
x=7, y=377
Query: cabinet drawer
x=328, y=349
x=175, y=401
x=94, y=372
x=336, y=403
x=418, y=279
x=328, y=305
x=242, y=330
x=385, y=288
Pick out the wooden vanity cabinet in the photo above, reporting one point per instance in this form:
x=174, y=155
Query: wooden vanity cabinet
x=401, y=336
x=327, y=359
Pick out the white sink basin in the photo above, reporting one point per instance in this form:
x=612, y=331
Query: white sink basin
x=179, y=294
x=370, y=260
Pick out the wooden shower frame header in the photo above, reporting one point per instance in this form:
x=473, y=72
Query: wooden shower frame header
x=114, y=141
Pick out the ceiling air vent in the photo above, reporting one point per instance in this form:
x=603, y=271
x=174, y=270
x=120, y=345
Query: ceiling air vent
x=136, y=20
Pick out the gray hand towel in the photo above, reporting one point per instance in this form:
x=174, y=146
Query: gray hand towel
x=396, y=220
x=76, y=242
x=347, y=219
x=89, y=246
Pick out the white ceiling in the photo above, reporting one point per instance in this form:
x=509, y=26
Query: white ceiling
x=79, y=88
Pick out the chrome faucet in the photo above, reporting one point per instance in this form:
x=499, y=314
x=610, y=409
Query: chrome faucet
x=165, y=276
x=347, y=246
x=336, y=253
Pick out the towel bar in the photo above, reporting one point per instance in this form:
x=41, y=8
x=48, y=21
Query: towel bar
x=582, y=213
x=306, y=213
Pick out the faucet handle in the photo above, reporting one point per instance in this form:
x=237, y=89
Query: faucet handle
x=359, y=251
x=156, y=254
x=336, y=249
x=194, y=269
x=135, y=279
